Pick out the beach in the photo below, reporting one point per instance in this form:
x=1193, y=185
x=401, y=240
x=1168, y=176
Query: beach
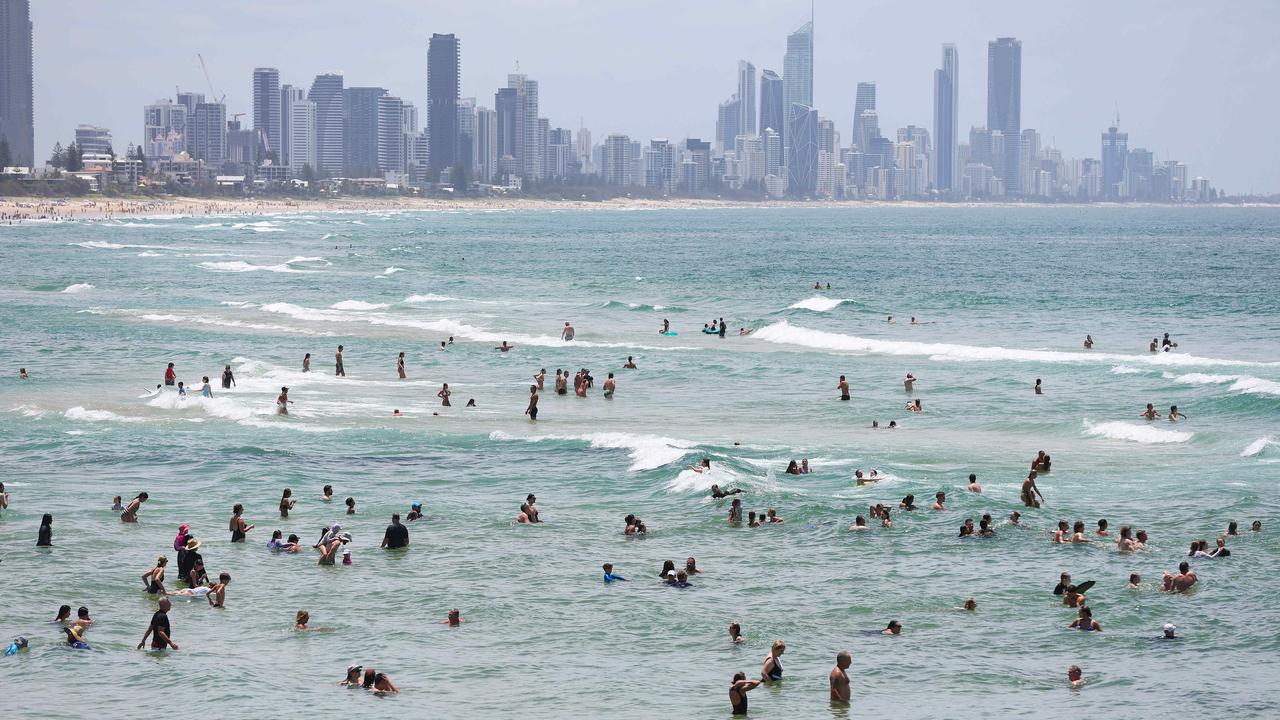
x=95, y=310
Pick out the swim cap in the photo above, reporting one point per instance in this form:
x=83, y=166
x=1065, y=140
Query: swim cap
x=1170, y=627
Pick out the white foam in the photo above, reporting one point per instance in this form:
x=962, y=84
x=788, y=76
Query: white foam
x=1144, y=434
x=784, y=333
x=357, y=305
x=1257, y=446
x=428, y=298
x=79, y=413
x=1239, y=383
x=1125, y=370
x=261, y=226
x=242, y=266
x=28, y=410
x=199, y=320
x=77, y=288
x=148, y=253
x=391, y=271
x=647, y=451
x=221, y=407
x=817, y=304
x=236, y=303
x=103, y=245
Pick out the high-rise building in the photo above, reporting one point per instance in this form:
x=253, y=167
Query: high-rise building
x=1029, y=160
x=303, y=159
x=1115, y=156
x=864, y=101
x=485, y=156
x=266, y=109
x=802, y=145
x=659, y=163
x=289, y=94
x=946, y=120
x=209, y=134
x=242, y=147
x=93, y=139
x=190, y=100
x=389, y=149
x=327, y=93
x=772, y=153
x=695, y=166
x=1141, y=170
x=1004, y=105
x=797, y=73
x=771, y=114
x=409, y=135
x=17, y=116
x=585, y=165
x=746, y=98
x=443, y=87
x=164, y=128
x=617, y=160
x=504, y=108
x=467, y=134
x=727, y=119
x=360, y=131
x=528, y=160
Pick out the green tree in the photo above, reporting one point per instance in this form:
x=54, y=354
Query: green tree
x=460, y=180
x=75, y=159
x=59, y=157
x=141, y=157
x=6, y=159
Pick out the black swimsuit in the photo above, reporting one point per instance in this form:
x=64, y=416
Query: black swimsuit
x=740, y=707
x=775, y=672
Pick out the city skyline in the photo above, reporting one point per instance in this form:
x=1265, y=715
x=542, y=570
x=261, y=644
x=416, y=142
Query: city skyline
x=900, y=102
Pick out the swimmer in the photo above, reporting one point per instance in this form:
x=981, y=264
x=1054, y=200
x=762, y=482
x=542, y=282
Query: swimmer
x=1030, y=491
x=771, y=670
x=441, y=348
x=793, y=468
x=205, y=390
x=1088, y=342
x=75, y=637
x=454, y=618
x=1167, y=343
x=1174, y=415
x=893, y=628
x=970, y=605
x=306, y=363
x=379, y=683
x=1074, y=676
x=82, y=617
x=567, y=333
x=910, y=383
x=609, y=386
x=1256, y=526
x=1077, y=533
x=228, y=378
x=326, y=495
x=1062, y=534
x=691, y=565
x=1064, y=581
x=843, y=387
x=1170, y=631
x=1038, y=390
x=237, y=525
x=738, y=688
x=859, y=523
x=666, y=326
x=804, y=466
x=735, y=512
x=1184, y=579
x=752, y=522
x=283, y=402
x=630, y=364
x=838, y=679
x=973, y=484
x=1150, y=413
x=351, y=505
x=1014, y=517
x=1102, y=528
x=717, y=493
x=735, y=634
x=504, y=347
x=1135, y=581
x=532, y=408
x=1125, y=542
x=908, y=503
x=540, y=377
x=893, y=424
x=170, y=376
x=772, y=517
x=914, y=406
x=301, y=619
x=1155, y=345
x=940, y=501
x=338, y=370
x=182, y=390
x=153, y=579
x=532, y=501
x=444, y=394
x=353, y=676
x=22, y=374
x=130, y=513
x=158, y=630
x=1231, y=526
x=44, y=536
x=286, y=502
x=1085, y=621
x=397, y=413
x=415, y=512
x=702, y=467
x=609, y=575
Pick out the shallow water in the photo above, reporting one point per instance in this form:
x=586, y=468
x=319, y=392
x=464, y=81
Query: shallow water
x=94, y=311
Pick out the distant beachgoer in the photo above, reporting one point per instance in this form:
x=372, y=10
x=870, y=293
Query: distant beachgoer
x=1256, y=526
x=973, y=483
x=182, y=390
x=170, y=375
x=1038, y=390
x=532, y=408
x=1088, y=342
x=908, y=503
x=396, y=535
x=1150, y=413
x=859, y=523
x=735, y=634
x=351, y=506
x=400, y=365
x=970, y=604
x=504, y=347
x=286, y=502
x=1155, y=345
x=327, y=493
x=838, y=679
x=306, y=363
x=735, y=512
x=415, y=512
x=1085, y=621
x=158, y=631
x=337, y=363
x=722, y=328
x=914, y=406
x=1014, y=517
x=567, y=333
x=910, y=383
x=630, y=364
x=666, y=326
x=717, y=493
x=130, y=514
x=1074, y=676
x=609, y=386
x=804, y=466
x=228, y=378
x=1030, y=491
x=301, y=619
x=22, y=374
x=793, y=468
x=1169, y=632
x=454, y=618
x=1102, y=528
x=843, y=387
x=444, y=394
x=237, y=524
x=704, y=466
x=1135, y=580
x=532, y=501
x=283, y=402
x=738, y=688
x=1174, y=415
x=562, y=382
x=44, y=537
x=116, y=505
x=940, y=501
x=540, y=377
x=893, y=628
x=153, y=579
x=893, y=424
x=609, y=575
x=771, y=670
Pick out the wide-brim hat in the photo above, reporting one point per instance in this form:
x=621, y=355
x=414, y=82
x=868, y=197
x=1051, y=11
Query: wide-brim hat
x=193, y=544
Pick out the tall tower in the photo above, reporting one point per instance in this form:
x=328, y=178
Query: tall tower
x=771, y=114
x=1115, y=156
x=266, y=109
x=797, y=72
x=746, y=98
x=17, y=117
x=360, y=131
x=946, y=120
x=528, y=156
x=864, y=101
x=443, y=87
x=326, y=93
x=1004, y=105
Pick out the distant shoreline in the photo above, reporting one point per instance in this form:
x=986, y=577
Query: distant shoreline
x=46, y=209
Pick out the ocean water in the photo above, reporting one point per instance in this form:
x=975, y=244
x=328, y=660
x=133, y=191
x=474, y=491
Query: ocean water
x=95, y=310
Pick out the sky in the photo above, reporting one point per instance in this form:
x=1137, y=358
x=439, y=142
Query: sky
x=1192, y=80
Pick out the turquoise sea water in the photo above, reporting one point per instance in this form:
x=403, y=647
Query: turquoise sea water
x=94, y=311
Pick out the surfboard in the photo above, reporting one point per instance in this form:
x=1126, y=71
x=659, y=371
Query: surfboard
x=670, y=333
x=1085, y=586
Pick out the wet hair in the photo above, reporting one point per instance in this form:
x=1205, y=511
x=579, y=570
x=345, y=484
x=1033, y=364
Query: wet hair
x=738, y=676
x=143, y=496
x=668, y=565
x=350, y=501
x=237, y=509
x=64, y=612
x=287, y=492
x=47, y=519
x=302, y=617
x=276, y=534
x=1183, y=567
x=224, y=578
x=83, y=612
x=370, y=676
x=293, y=538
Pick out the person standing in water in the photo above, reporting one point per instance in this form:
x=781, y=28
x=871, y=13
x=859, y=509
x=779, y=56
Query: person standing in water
x=839, y=679
x=228, y=378
x=1088, y=342
x=130, y=514
x=843, y=387
x=738, y=688
x=567, y=333
x=158, y=630
x=1030, y=491
x=910, y=383
x=205, y=390
x=44, y=538
x=771, y=670
x=338, y=370
x=1174, y=415
x=283, y=402
x=666, y=327
x=237, y=525
x=562, y=382
x=532, y=408
x=444, y=394
x=630, y=364
x=400, y=365
x=539, y=378
x=170, y=376
x=609, y=386
x=722, y=328
x=306, y=363
x=1038, y=390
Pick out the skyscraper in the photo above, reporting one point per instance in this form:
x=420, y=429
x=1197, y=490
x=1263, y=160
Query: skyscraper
x=289, y=94
x=528, y=159
x=266, y=108
x=190, y=100
x=504, y=104
x=467, y=134
x=946, y=120
x=390, y=134
x=1115, y=154
x=326, y=93
x=17, y=117
x=360, y=131
x=771, y=115
x=617, y=160
x=443, y=65
x=802, y=144
x=486, y=145
x=1004, y=105
x=302, y=135
x=209, y=134
x=864, y=101
x=797, y=74
x=164, y=129
x=746, y=98
x=727, y=119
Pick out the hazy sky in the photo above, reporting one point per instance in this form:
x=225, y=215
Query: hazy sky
x=1195, y=81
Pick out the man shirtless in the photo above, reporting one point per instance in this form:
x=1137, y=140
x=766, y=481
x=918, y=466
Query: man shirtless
x=532, y=409
x=338, y=370
x=909, y=383
x=843, y=386
x=540, y=377
x=567, y=333
x=839, y=679
x=1150, y=413
x=1030, y=491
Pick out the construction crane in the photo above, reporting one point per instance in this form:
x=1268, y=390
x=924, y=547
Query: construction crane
x=212, y=92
